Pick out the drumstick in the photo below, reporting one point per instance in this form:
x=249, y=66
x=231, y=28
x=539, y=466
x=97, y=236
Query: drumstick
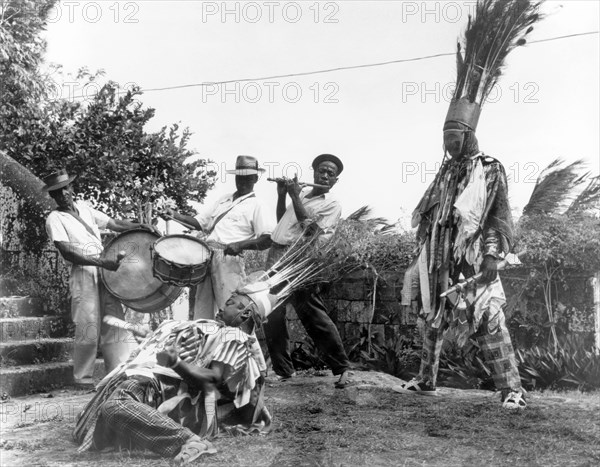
x=120, y=324
x=216, y=245
x=116, y=322
x=313, y=185
x=185, y=224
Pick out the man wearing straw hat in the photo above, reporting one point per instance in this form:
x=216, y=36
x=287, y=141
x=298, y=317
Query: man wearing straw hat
x=236, y=222
x=313, y=211
x=74, y=228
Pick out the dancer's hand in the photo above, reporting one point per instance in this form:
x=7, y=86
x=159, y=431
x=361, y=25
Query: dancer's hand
x=167, y=357
x=489, y=269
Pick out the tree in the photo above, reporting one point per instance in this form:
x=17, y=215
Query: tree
x=120, y=166
x=555, y=231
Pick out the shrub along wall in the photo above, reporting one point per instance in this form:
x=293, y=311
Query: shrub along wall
x=350, y=304
x=526, y=311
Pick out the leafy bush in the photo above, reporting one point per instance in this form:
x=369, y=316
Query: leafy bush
x=397, y=356
x=573, y=365
x=555, y=246
x=306, y=356
x=463, y=367
x=370, y=243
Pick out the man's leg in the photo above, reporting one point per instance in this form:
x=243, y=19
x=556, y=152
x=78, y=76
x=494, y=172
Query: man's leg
x=433, y=338
x=425, y=383
x=499, y=354
x=278, y=342
x=275, y=328
x=116, y=343
x=131, y=420
x=227, y=276
x=85, y=312
x=204, y=301
x=312, y=312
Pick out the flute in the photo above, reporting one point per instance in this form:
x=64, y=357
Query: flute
x=313, y=185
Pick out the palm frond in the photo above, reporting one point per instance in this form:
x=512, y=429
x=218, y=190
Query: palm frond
x=360, y=214
x=553, y=191
x=588, y=201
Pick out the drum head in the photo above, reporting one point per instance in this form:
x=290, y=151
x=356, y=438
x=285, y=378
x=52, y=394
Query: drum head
x=134, y=280
x=182, y=250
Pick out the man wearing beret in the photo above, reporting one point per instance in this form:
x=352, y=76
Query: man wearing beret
x=313, y=211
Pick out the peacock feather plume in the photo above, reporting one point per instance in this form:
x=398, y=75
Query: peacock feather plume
x=498, y=27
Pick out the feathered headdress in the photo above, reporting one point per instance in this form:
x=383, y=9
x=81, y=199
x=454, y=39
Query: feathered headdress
x=498, y=27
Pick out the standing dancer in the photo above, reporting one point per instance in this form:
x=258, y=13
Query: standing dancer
x=464, y=219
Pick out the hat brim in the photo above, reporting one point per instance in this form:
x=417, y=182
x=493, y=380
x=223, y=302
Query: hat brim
x=245, y=171
x=60, y=184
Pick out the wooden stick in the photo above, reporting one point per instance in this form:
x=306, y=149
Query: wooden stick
x=185, y=224
x=512, y=259
x=501, y=265
x=313, y=185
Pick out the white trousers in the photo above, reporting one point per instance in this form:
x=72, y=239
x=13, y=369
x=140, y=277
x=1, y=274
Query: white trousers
x=226, y=275
x=89, y=302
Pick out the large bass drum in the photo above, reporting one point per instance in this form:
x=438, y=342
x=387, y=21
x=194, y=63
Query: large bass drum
x=134, y=283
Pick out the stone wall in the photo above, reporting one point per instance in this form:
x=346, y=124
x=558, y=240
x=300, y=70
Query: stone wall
x=350, y=305
x=43, y=276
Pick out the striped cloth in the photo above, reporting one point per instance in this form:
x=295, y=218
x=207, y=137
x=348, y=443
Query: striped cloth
x=217, y=343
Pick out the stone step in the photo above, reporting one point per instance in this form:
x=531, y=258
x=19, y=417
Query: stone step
x=16, y=306
x=34, y=327
x=33, y=351
x=43, y=377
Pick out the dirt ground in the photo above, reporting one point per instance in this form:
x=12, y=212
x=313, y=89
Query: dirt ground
x=365, y=424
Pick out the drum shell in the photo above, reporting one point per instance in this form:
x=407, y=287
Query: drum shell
x=177, y=274
x=134, y=284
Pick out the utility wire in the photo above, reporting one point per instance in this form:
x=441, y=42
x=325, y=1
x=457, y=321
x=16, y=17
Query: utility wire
x=330, y=70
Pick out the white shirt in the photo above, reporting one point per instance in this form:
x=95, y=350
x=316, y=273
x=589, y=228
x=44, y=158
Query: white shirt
x=246, y=219
x=63, y=227
x=324, y=209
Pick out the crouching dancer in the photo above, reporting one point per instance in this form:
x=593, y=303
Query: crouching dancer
x=183, y=384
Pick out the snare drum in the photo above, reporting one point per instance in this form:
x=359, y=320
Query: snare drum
x=180, y=260
x=134, y=283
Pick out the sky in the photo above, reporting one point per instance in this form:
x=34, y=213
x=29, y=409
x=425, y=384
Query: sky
x=383, y=121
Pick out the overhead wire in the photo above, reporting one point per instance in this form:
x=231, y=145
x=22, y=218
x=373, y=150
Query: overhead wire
x=331, y=70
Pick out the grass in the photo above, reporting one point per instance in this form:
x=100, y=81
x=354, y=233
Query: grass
x=316, y=425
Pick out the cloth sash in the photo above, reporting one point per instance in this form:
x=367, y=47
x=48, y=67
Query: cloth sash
x=84, y=223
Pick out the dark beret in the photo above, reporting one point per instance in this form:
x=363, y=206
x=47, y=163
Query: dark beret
x=330, y=158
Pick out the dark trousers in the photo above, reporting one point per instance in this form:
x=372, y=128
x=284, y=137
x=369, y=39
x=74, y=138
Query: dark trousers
x=312, y=312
